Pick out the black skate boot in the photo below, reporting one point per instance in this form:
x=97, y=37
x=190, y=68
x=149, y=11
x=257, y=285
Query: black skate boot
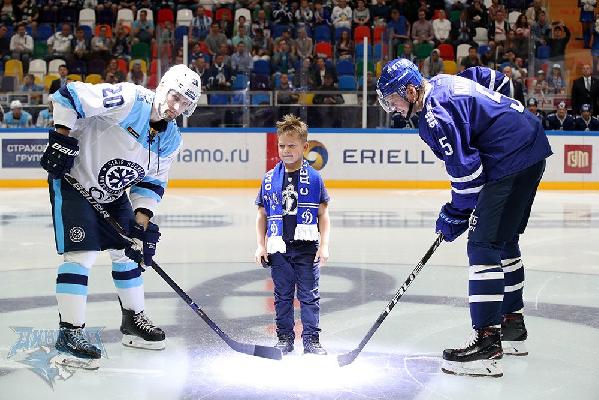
x=138, y=331
x=285, y=343
x=75, y=350
x=312, y=346
x=513, y=335
x=478, y=356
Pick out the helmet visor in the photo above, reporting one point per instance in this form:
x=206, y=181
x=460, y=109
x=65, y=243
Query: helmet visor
x=390, y=102
x=178, y=101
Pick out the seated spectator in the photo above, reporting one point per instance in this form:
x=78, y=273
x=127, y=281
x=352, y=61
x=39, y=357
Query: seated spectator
x=143, y=28
x=61, y=82
x=328, y=116
x=422, y=30
x=167, y=33
x=463, y=31
x=28, y=13
x=516, y=90
x=344, y=48
x=477, y=13
x=113, y=74
x=532, y=106
x=585, y=121
x=102, y=45
x=219, y=75
x=303, y=77
x=286, y=36
x=399, y=27
x=16, y=117
x=408, y=52
x=492, y=56
x=361, y=14
x=540, y=29
x=8, y=13
x=45, y=117
x=342, y=15
x=29, y=84
x=81, y=46
x=433, y=65
x=283, y=60
x=215, y=39
x=304, y=16
x=285, y=94
x=560, y=120
x=281, y=13
x=122, y=44
x=106, y=13
x=508, y=58
x=539, y=84
x=304, y=44
x=223, y=50
x=200, y=25
x=21, y=46
x=522, y=23
x=261, y=44
x=379, y=12
x=59, y=44
x=136, y=74
x=5, y=52
x=493, y=8
x=472, y=60
x=322, y=14
x=519, y=72
x=321, y=69
x=242, y=36
x=498, y=28
x=517, y=43
x=261, y=23
x=555, y=80
x=241, y=60
x=441, y=28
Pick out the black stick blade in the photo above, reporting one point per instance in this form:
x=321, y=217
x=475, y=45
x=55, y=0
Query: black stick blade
x=347, y=358
x=271, y=353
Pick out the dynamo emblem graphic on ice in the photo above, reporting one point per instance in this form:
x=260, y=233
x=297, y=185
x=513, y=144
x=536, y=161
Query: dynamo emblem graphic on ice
x=316, y=154
x=35, y=349
x=117, y=175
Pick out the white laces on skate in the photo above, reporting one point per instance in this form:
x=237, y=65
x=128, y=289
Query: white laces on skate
x=143, y=322
x=78, y=337
x=470, y=341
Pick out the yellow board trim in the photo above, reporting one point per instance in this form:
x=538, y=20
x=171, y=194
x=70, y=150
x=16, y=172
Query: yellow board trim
x=332, y=183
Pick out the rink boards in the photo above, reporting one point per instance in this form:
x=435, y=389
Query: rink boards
x=347, y=158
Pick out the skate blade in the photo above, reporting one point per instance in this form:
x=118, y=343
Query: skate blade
x=491, y=368
x=514, y=348
x=76, y=362
x=139, y=343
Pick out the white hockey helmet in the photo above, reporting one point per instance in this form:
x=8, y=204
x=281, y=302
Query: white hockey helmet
x=185, y=82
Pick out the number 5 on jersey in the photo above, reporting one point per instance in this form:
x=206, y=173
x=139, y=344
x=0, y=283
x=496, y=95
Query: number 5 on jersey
x=448, y=149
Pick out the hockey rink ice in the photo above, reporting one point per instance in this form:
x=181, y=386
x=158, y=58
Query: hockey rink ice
x=377, y=238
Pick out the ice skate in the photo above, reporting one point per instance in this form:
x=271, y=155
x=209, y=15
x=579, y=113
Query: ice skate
x=513, y=335
x=139, y=331
x=75, y=350
x=479, y=356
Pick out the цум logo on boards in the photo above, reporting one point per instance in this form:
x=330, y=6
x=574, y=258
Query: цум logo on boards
x=578, y=158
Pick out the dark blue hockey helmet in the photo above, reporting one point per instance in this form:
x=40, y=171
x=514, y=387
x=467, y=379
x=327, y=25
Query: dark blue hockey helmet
x=395, y=78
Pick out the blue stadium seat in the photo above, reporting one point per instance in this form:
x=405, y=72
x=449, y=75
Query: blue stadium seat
x=260, y=99
x=261, y=67
x=338, y=32
x=360, y=51
x=482, y=49
x=543, y=52
x=278, y=29
x=87, y=30
x=180, y=31
x=322, y=33
x=44, y=31
x=345, y=68
x=347, y=82
x=218, y=99
x=240, y=82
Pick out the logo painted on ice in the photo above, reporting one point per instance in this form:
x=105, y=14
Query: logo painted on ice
x=117, y=175
x=76, y=234
x=35, y=349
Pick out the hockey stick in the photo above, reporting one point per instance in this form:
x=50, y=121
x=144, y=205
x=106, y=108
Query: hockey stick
x=254, y=350
x=348, y=358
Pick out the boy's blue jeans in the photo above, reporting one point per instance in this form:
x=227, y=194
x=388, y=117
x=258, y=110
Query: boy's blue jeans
x=296, y=268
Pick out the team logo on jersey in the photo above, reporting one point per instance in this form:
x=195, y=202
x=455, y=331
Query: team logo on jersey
x=117, y=175
x=430, y=118
x=76, y=234
x=289, y=200
x=316, y=154
x=307, y=217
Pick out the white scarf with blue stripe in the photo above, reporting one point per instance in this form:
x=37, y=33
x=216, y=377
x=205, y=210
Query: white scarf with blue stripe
x=309, y=184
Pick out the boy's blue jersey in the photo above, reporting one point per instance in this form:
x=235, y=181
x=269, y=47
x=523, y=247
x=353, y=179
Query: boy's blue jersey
x=481, y=135
x=489, y=78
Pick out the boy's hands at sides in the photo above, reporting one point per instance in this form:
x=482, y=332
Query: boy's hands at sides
x=322, y=255
x=261, y=256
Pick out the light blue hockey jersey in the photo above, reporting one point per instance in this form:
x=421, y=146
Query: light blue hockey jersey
x=24, y=121
x=112, y=124
x=480, y=134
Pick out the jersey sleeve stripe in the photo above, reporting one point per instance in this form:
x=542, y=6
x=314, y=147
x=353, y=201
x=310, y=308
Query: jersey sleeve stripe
x=158, y=189
x=143, y=192
x=468, y=178
x=73, y=99
x=468, y=191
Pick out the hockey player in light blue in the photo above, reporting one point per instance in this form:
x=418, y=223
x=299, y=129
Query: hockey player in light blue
x=111, y=138
x=494, y=152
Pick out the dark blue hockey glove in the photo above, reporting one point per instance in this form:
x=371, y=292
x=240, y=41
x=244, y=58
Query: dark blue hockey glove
x=452, y=222
x=149, y=237
x=59, y=156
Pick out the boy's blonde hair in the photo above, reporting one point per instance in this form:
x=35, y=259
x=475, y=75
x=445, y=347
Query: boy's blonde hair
x=292, y=126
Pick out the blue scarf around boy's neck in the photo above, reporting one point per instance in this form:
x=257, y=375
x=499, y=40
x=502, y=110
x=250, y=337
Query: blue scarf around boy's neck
x=309, y=184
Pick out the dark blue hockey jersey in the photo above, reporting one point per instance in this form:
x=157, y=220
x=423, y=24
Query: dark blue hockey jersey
x=480, y=134
x=489, y=78
x=591, y=125
x=555, y=124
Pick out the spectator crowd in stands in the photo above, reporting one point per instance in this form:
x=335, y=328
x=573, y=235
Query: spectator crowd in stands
x=291, y=46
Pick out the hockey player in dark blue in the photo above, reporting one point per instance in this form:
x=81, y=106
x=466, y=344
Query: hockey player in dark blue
x=494, y=152
x=585, y=121
x=560, y=120
x=489, y=78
